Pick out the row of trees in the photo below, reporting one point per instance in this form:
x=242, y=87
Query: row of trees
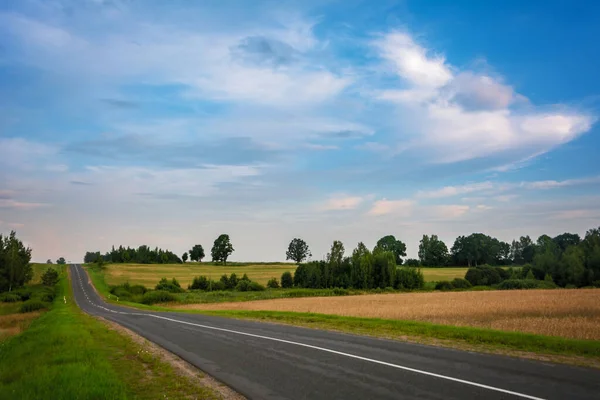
x=220, y=252
x=15, y=269
x=365, y=269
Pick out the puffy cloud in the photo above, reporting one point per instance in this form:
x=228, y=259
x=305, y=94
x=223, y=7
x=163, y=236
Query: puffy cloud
x=395, y=207
x=341, y=202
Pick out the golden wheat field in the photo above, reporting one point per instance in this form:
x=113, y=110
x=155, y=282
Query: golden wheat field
x=568, y=313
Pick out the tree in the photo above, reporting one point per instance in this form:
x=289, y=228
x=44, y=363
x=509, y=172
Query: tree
x=389, y=243
x=61, y=261
x=184, y=257
x=298, y=251
x=565, y=240
x=48, y=261
x=15, y=269
x=432, y=251
x=222, y=249
x=50, y=277
x=197, y=253
x=286, y=280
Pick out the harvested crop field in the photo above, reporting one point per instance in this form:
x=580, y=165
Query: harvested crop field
x=568, y=313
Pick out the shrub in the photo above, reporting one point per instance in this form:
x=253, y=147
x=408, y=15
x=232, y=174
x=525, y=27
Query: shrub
x=596, y=284
x=444, y=285
x=216, y=286
x=47, y=296
x=225, y=281
x=287, y=281
x=256, y=287
x=138, y=289
x=9, y=297
x=484, y=275
x=157, y=296
x=233, y=280
x=32, y=305
x=199, y=283
x=409, y=278
x=530, y=275
x=525, y=284
x=245, y=278
x=459, y=283
x=273, y=284
x=172, y=286
x=340, y=292
x=25, y=294
x=50, y=277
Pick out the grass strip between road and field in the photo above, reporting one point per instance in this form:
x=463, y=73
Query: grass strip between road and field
x=66, y=354
x=571, y=351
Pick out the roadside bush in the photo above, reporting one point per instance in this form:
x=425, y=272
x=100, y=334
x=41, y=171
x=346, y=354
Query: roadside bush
x=50, y=277
x=287, y=281
x=32, y=305
x=169, y=286
x=47, y=296
x=9, y=298
x=525, y=284
x=137, y=289
x=444, y=286
x=273, y=283
x=459, y=283
x=157, y=296
x=409, y=278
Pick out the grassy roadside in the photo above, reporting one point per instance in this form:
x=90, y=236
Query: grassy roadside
x=570, y=351
x=66, y=354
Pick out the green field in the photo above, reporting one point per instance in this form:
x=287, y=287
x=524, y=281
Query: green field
x=66, y=354
x=149, y=274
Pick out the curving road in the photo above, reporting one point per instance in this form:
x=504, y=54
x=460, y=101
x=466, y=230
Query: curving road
x=269, y=361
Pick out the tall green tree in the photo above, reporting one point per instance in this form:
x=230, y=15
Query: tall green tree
x=61, y=261
x=563, y=241
x=297, y=251
x=184, y=257
x=222, y=249
x=15, y=269
x=197, y=253
x=432, y=251
x=397, y=247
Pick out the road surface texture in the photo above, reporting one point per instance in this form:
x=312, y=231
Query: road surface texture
x=270, y=361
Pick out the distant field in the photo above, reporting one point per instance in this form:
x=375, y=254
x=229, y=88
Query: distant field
x=566, y=313
x=38, y=270
x=149, y=274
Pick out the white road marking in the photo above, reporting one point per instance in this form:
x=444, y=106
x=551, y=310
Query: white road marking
x=418, y=371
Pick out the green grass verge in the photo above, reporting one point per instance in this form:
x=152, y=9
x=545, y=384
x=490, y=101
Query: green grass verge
x=66, y=354
x=387, y=328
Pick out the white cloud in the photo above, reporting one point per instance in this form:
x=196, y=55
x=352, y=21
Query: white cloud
x=394, y=207
x=20, y=205
x=449, y=191
x=467, y=115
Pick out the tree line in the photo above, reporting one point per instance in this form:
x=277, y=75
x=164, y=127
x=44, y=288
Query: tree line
x=220, y=252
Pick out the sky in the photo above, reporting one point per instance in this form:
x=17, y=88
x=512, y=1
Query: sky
x=169, y=123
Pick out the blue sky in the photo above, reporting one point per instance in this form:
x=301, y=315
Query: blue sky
x=168, y=123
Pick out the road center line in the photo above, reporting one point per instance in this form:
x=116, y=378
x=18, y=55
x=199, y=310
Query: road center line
x=418, y=371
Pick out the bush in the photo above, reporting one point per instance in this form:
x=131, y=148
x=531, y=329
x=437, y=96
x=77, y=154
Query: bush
x=138, y=289
x=459, y=283
x=9, y=298
x=233, y=280
x=157, y=296
x=172, y=286
x=25, y=294
x=199, y=283
x=249, y=286
x=510, y=284
x=47, y=296
x=50, y=277
x=225, y=281
x=286, y=280
x=215, y=286
x=444, y=285
x=409, y=278
x=596, y=284
x=340, y=292
x=32, y=305
x=484, y=275
x=273, y=284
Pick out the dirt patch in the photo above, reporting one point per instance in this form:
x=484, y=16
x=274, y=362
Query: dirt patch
x=13, y=324
x=182, y=367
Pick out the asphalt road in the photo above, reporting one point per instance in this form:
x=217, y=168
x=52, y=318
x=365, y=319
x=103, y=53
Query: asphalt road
x=269, y=361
